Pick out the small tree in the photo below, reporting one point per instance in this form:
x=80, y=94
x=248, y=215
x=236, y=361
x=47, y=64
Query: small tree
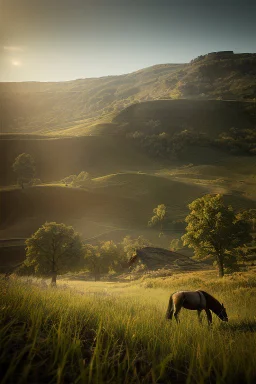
x=24, y=167
x=113, y=255
x=158, y=217
x=81, y=180
x=214, y=229
x=54, y=248
x=93, y=260
x=175, y=245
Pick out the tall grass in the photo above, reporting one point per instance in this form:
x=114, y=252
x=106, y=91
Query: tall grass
x=121, y=335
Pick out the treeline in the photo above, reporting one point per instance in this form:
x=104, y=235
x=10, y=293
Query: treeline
x=166, y=146
x=238, y=141
x=56, y=249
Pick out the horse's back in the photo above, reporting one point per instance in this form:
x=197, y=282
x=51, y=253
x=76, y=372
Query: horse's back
x=189, y=299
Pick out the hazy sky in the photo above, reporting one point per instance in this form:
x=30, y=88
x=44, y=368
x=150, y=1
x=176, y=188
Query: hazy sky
x=52, y=40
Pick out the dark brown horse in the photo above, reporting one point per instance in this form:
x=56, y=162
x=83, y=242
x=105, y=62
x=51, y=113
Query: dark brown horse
x=195, y=300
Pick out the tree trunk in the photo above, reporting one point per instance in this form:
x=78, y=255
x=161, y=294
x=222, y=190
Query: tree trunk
x=97, y=277
x=54, y=278
x=220, y=266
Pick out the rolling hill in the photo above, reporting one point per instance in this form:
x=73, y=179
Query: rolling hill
x=89, y=125
x=58, y=158
x=121, y=201
x=210, y=117
x=115, y=204
x=73, y=106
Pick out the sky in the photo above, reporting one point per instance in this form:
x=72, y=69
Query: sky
x=59, y=40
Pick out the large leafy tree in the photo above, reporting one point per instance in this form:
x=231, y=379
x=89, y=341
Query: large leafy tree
x=54, y=248
x=24, y=167
x=215, y=230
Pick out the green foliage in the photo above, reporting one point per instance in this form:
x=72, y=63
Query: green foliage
x=111, y=257
x=81, y=180
x=175, y=245
x=250, y=216
x=158, y=218
x=24, y=167
x=53, y=249
x=238, y=141
x=103, y=258
x=93, y=261
x=130, y=245
x=69, y=179
x=214, y=230
x=165, y=145
x=35, y=182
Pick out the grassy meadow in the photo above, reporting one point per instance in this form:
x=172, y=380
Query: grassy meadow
x=116, y=332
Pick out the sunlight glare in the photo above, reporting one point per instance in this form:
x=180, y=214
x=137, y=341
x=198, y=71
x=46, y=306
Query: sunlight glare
x=16, y=63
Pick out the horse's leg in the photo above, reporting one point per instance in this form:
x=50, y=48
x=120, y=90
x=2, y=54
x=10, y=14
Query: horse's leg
x=176, y=313
x=199, y=317
x=209, y=316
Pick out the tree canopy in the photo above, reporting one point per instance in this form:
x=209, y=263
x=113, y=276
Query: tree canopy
x=24, y=167
x=54, y=248
x=214, y=229
x=158, y=217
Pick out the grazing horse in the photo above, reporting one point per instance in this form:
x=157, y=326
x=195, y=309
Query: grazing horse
x=197, y=301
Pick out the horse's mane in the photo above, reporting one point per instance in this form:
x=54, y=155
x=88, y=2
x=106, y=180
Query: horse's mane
x=211, y=300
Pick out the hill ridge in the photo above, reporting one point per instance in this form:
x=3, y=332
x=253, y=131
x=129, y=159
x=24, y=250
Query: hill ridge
x=61, y=105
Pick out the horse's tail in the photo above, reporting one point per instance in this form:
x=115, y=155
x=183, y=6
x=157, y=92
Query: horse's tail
x=169, y=312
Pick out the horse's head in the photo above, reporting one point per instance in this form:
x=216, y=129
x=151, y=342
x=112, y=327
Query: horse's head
x=223, y=314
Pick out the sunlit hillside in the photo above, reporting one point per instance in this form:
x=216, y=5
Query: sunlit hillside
x=58, y=107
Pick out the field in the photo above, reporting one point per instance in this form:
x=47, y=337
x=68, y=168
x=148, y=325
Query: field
x=116, y=332
x=167, y=134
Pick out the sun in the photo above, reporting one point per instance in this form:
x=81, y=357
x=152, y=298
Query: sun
x=16, y=63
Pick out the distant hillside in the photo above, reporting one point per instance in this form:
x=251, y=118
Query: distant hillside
x=210, y=117
x=73, y=106
x=157, y=258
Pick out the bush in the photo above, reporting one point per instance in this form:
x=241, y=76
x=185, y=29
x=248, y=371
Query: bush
x=81, y=180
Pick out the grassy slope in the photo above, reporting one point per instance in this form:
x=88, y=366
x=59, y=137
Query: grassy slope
x=58, y=158
x=119, y=204
x=117, y=332
x=76, y=105
x=205, y=116
x=122, y=201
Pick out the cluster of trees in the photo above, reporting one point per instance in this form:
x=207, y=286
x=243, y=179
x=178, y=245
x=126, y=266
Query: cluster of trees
x=56, y=248
x=111, y=257
x=215, y=230
x=164, y=145
x=81, y=180
x=238, y=141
